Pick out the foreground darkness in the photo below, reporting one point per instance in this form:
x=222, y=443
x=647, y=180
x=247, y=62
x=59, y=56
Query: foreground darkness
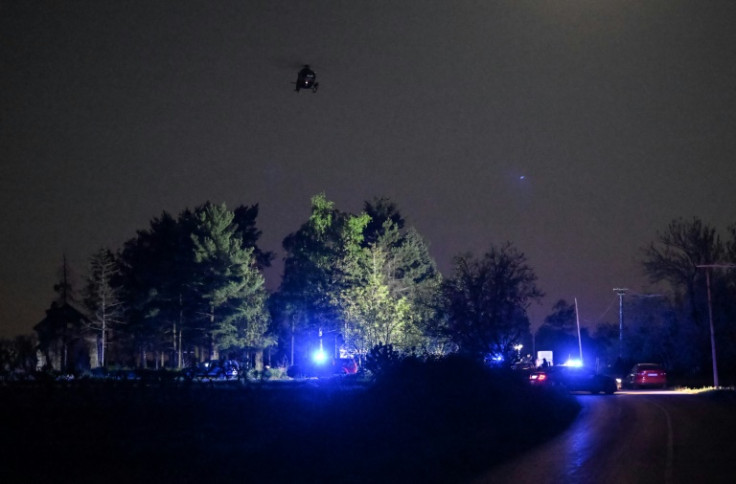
x=408, y=428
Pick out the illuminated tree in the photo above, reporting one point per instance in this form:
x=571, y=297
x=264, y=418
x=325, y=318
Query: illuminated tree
x=103, y=298
x=318, y=257
x=361, y=276
x=371, y=314
x=410, y=274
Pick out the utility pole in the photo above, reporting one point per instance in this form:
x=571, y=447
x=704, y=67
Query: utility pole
x=620, y=291
x=708, y=268
x=577, y=320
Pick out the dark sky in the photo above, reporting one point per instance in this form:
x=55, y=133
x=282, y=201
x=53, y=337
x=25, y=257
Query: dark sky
x=620, y=116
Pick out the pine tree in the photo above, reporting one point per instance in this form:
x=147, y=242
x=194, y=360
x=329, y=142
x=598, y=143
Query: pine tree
x=156, y=268
x=61, y=329
x=228, y=282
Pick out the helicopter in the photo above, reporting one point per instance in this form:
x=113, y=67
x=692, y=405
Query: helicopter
x=306, y=79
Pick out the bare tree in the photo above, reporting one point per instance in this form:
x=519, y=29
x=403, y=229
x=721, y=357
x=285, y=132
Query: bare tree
x=102, y=298
x=677, y=251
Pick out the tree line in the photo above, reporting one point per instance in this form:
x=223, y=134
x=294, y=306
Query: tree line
x=190, y=287
x=669, y=323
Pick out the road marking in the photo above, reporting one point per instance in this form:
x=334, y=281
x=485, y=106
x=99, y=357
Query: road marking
x=670, y=446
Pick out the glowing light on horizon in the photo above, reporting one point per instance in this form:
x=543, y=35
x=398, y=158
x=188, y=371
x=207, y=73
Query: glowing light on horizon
x=319, y=356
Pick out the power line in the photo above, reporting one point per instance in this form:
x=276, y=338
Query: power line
x=605, y=311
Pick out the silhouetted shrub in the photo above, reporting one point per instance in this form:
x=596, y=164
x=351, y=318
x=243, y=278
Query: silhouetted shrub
x=381, y=359
x=294, y=371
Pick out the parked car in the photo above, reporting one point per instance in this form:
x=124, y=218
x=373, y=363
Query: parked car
x=646, y=375
x=214, y=370
x=574, y=379
x=348, y=366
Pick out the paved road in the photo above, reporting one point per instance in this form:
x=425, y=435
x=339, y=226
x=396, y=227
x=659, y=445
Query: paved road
x=635, y=437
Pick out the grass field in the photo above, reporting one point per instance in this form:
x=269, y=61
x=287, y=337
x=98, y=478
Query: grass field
x=439, y=424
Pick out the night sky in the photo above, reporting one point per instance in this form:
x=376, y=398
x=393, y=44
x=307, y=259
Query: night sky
x=576, y=129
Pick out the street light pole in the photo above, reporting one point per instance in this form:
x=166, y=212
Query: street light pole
x=620, y=291
x=707, y=268
x=577, y=320
x=712, y=335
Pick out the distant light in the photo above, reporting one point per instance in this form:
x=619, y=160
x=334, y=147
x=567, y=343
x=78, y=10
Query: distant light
x=522, y=177
x=493, y=359
x=319, y=357
x=573, y=363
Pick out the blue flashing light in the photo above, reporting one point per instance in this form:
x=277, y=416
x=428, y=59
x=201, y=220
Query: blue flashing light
x=319, y=357
x=493, y=359
x=574, y=363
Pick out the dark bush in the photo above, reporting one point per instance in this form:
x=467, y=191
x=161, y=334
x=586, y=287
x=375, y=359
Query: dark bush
x=294, y=371
x=381, y=359
x=454, y=416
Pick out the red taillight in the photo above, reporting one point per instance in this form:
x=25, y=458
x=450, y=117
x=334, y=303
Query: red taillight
x=538, y=377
